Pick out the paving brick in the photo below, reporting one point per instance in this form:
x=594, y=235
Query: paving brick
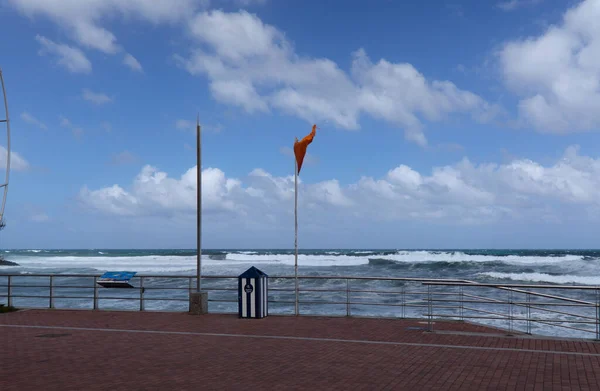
x=105, y=350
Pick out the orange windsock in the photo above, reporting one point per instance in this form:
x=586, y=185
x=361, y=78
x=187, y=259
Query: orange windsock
x=300, y=147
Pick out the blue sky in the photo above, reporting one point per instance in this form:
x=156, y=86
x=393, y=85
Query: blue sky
x=443, y=124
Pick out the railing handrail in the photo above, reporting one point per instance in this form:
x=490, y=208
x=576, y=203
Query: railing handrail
x=218, y=276
x=425, y=281
x=496, y=285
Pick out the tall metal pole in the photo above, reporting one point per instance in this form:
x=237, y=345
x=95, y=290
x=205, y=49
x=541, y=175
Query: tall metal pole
x=8, y=159
x=296, y=231
x=199, y=204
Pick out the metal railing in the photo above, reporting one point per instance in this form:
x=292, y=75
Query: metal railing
x=313, y=290
x=513, y=307
x=526, y=304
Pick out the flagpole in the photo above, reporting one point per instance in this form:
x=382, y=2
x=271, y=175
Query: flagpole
x=296, y=231
x=199, y=204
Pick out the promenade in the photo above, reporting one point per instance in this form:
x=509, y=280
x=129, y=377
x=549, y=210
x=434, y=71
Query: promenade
x=102, y=350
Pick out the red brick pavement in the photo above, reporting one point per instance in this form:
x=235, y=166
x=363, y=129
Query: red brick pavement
x=176, y=351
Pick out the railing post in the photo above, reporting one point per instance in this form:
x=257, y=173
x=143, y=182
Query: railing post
x=462, y=304
x=403, y=301
x=51, y=292
x=95, y=293
x=510, y=314
x=141, y=293
x=297, y=297
x=430, y=309
x=597, y=314
x=528, y=313
x=347, y=297
x=10, y=291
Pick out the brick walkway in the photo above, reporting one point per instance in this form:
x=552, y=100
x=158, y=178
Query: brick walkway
x=85, y=350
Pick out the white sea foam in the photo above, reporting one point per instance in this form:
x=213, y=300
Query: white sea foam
x=236, y=260
x=304, y=259
x=544, y=277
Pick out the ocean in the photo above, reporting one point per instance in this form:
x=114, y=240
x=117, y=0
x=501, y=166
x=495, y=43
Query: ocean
x=573, y=267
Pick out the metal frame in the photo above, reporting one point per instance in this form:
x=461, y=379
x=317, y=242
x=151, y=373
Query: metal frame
x=440, y=299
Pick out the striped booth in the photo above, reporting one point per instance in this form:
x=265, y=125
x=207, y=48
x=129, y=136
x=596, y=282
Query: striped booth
x=252, y=294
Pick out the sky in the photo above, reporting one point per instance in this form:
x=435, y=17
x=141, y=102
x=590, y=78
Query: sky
x=442, y=124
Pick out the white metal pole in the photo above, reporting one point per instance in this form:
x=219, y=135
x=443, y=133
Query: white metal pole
x=8, y=159
x=296, y=231
x=199, y=204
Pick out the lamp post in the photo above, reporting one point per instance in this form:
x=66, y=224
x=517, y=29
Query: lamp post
x=198, y=299
x=199, y=205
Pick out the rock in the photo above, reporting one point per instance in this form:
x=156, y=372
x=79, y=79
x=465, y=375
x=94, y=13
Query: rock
x=4, y=262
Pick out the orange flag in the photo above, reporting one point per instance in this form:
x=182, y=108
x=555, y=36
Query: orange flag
x=300, y=147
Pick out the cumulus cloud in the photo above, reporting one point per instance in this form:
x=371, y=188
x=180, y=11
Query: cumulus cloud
x=17, y=162
x=67, y=56
x=557, y=73
x=81, y=18
x=96, y=98
x=253, y=65
x=512, y=5
x=132, y=63
x=30, y=119
x=153, y=192
x=521, y=190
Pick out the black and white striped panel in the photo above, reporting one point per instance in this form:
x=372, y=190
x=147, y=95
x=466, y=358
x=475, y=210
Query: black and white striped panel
x=253, y=297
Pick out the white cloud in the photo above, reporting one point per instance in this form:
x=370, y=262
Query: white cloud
x=97, y=98
x=81, y=18
x=30, y=119
x=153, y=192
x=522, y=190
x=69, y=57
x=252, y=65
x=184, y=124
x=557, y=73
x=250, y=2
x=511, y=5
x=17, y=162
x=76, y=130
x=132, y=63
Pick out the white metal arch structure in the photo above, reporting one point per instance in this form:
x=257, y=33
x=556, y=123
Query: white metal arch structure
x=5, y=121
